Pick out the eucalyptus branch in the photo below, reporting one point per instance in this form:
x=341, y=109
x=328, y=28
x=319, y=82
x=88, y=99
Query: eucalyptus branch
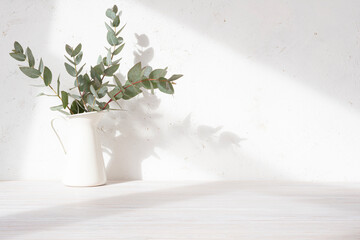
x=90, y=86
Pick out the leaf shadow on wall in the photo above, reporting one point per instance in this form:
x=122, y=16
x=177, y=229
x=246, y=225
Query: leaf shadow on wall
x=132, y=136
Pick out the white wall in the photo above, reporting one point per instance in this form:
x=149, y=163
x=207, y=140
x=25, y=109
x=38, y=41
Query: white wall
x=271, y=89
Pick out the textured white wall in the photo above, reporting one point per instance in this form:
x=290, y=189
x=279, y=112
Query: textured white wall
x=271, y=89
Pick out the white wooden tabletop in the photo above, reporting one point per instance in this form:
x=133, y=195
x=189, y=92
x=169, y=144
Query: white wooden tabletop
x=179, y=210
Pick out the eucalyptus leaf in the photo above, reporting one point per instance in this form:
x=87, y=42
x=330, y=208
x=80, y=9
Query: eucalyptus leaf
x=58, y=85
x=30, y=72
x=18, y=56
x=157, y=73
x=102, y=91
x=119, y=49
x=118, y=32
x=76, y=50
x=90, y=99
x=130, y=91
x=41, y=66
x=30, y=57
x=78, y=58
x=115, y=9
x=93, y=91
x=116, y=61
x=69, y=49
x=108, y=58
x=116, y=21
x=165, y=86
x=99, y=59
x=56, y=108
x=134, y=73
x=64, y=98
x=117, y=81
x=112, y=40
x=71, y=61
x=175, y=77
x=47, y=76
x=147, y=71
x=110, y=14
x=44, y=94
x=81, y=68
x=111, y=70
x=18, y=47
x=70, y=70
x=109, y=28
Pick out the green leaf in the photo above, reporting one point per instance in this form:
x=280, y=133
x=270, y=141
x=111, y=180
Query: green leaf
x=56, y=108
x=134, y=73
x=90, y=99
x=99, y=69
x=79, y=71
x=69, y=49
x=116, y=21
x=58, y=85
x=18, y=56
x=44, y=94
x=118, y=32
x=115, y=9
x=117, y=81
x=175, y=76
x=93, y=91
x=147, y=71
x=111, y=70
x=102, y=105
x=76, y=51
x=150, y=85
x=112, y=40
x=109, y=28
x=70, y=70
x=30, y=72
x=18, y=47
x=71, y=61
x=116, y=91
x=41, y=66
x=99, y=60
x=30, y=57
x=165, y=86
x=110, y=14
x=119, y=49
x=108, y=58
x=116, y=61
x=78, y=58
x=64, y=98
x=74, y=96
x=77, y=107
x=47, y=76
x=158, y=73
x=130, y=91
x=102, y=91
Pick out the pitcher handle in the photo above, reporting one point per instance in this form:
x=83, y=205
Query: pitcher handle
x=52, y=126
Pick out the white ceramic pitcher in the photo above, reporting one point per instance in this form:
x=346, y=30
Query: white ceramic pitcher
x=80, y=142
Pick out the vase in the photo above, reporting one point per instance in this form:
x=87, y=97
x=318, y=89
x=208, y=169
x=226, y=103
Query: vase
x=78, y=136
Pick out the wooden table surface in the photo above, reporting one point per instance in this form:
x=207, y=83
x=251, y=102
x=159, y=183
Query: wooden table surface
x=179, y=210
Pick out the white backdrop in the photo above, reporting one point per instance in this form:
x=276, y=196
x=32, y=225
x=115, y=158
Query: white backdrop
x=270, y=89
